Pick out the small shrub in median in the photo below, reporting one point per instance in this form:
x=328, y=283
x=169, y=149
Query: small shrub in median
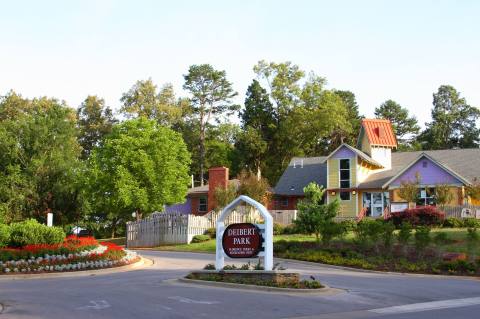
x=200, y=238
x=278, y=229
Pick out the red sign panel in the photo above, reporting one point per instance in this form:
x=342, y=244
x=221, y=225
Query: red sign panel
x=242, y=240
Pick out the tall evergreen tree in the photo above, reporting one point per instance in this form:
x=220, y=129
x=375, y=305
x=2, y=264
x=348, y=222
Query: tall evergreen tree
x=405, y=126
x=353, y=117
x=211, y=98
x=454, y=122
x=95, y=120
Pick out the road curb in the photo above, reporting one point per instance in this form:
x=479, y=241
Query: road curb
x=326, y=291
x=309, y=263
x=143, y=262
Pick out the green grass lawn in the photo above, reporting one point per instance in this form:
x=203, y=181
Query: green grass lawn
x=456, y=236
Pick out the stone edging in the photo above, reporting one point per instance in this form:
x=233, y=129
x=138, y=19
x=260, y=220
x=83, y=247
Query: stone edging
x=143, y=262
x=326, y=291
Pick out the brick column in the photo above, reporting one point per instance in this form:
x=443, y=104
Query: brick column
x=217, y=177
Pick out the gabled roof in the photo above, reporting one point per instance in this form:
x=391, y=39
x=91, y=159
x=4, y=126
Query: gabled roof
x=425, y=155
x=299, y=173
x=464, y=162
x=379, y=132
x=362, y=155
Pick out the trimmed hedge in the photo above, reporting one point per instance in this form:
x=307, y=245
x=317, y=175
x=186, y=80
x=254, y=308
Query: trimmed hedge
x=200, y=238
x=419, y=216
x=31, y=232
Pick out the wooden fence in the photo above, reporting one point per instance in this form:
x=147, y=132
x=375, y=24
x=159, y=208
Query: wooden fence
x=463, y=211
x=178, y=228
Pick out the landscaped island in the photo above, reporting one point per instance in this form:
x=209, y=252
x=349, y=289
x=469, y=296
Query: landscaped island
x=35, y=248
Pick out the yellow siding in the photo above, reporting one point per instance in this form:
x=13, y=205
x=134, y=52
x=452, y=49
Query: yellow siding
x=334, y=173
x=333, y=166
x=347, y=208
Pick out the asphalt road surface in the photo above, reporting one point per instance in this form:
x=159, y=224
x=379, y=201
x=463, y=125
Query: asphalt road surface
x=150, y=293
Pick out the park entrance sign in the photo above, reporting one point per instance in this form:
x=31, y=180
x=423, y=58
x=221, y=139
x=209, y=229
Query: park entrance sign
x=244, y=240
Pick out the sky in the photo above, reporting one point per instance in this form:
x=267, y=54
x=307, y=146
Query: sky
x=379, y=50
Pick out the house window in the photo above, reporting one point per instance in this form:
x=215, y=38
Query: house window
x=203, y=205
x=345, y=195
x=426, y=196
x=345, y=173
x=284, y=201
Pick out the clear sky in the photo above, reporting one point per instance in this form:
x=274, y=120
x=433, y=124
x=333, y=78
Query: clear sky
x=401, y=50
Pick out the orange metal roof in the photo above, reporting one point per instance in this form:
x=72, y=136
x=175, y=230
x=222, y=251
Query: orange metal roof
x=379, y=132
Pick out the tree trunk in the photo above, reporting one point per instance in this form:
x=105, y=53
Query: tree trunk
x=202, y=155
x=113, y=230
x=138, y=213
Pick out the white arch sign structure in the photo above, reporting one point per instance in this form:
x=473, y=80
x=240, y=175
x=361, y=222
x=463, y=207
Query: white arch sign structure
x=267, y=228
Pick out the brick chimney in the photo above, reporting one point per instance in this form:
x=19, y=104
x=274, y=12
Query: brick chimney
x=217, y=177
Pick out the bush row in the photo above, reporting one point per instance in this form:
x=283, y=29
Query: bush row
x=29, y=232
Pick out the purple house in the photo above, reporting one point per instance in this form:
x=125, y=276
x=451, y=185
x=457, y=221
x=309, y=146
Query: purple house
x=366, y=178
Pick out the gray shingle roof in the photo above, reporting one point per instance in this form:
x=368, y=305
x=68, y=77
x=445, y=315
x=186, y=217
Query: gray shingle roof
x=464, y=162
x=204, y=189
x=296, y=176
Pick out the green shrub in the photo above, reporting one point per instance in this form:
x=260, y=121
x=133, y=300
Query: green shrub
x=453, y=222
x=4, y=235
x=291, y=229
x=440, y=238
x=278, y=229
x=404, y=233
x=369, y=231
x=211, y=232
x=53, y=235
x=200, y=238
x=422, y=238
x=471, y=222
x=387, y=234
x=209, y=267
x=349, y=224
x=31, y=232
x=331, y=230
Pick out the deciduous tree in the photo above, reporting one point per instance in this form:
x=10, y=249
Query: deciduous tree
x=454, y=122
x=140, y=167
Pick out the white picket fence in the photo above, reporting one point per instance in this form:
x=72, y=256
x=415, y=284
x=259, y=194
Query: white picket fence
x=177, y=228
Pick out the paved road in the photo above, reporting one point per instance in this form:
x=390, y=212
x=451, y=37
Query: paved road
x=148, y=293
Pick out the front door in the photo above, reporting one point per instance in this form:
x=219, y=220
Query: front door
x=373, y=202
x=377, y=204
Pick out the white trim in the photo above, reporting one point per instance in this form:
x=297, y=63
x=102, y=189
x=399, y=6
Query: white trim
x=268, y=243
x=423, y=154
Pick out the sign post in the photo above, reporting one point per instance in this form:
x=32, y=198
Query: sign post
x=244, y=240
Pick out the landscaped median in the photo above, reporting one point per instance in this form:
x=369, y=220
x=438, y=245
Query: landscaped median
x=248, y=276
x=70, y=254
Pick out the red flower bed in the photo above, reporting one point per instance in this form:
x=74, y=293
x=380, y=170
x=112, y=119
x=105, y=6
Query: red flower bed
x=72, y=244
x=422, y=215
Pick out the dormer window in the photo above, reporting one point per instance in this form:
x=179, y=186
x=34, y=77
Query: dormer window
x=345, y=173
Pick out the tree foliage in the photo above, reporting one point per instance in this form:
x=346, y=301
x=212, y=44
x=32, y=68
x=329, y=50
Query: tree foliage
x=144, y=100
x=454, y=122
x=39, y=160
x=408, y=189
x=140, y=167
x=315, y=217
x=95, y=120
x=406, y=127
x=210, y=98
